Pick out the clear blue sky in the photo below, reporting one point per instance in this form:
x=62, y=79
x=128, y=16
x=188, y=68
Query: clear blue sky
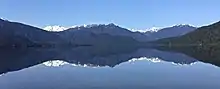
x=137, y=14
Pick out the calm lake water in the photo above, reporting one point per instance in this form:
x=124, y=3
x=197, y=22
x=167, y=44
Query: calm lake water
x=89, y=69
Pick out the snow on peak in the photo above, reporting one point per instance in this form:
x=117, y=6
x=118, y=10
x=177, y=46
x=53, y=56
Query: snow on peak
x=90, y=25
x=95, y=25
x=156, y=29
x=153, y=29
x=181, y=25
x=55, y=28
x=4, y=19
x=58, y=63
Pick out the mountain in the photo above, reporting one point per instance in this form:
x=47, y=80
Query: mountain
x=110, y=29
x=89, y=38
x=18, y=34
x=14, y=33
x=206, y=35
x=174, y=31
x=97, y=34
x=115, y=30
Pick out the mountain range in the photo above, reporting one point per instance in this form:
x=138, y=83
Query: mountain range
x=174, y=31
x=18, y=34
x=203, y=36
x=115, y=30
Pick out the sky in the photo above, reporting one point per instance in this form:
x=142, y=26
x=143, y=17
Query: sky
x=135, y=14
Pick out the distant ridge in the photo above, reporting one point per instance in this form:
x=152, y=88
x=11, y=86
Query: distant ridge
x=201, y=36
x=57, y=28
x=140, y=35
x=14, y=34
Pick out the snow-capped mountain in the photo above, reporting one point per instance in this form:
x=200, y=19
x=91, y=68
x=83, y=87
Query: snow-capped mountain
x=57, y=28
x=156, y=33
x=14, y=33
x=100, y=29
x=150, y=34
x=172, y=31
x=156, y=29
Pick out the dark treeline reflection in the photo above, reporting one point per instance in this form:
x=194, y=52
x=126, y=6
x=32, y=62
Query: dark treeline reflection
x=208, y=54
x=16, y=59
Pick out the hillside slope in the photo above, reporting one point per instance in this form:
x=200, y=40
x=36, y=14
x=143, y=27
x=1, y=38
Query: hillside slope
x=206, y=35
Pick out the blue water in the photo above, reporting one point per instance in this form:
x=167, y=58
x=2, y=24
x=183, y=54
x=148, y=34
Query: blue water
x=140, y=74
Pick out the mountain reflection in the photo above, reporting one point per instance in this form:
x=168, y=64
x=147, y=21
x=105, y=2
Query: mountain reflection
x=57, y=63
x=207, y=54
x=17, y=59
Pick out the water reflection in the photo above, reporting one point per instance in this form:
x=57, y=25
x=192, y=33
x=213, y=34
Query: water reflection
x=207, y=54
x=152, y=59
x=12, y=60
x=140, y=74
x=93, y=68
x=58, y=63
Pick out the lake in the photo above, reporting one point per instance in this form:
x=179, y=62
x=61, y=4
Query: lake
x=92, y=68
